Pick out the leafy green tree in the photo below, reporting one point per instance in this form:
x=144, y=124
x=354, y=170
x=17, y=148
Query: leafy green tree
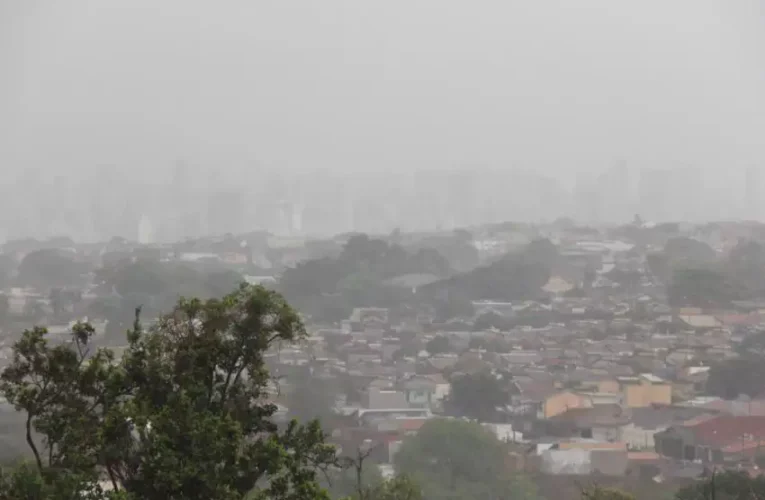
x=438, y=344
x=457, y=248
x=219, y=282
x=350, y=482
x=437, y=460
x=702, y=287
x=183, y=414
x=51, y=268
x=523, y=488
x=659, y=266
x=602, y=493
x=516, y=276
x=729, y=379
x=746, y=266
x=313, y=398
x=397, y=488
x=477, y=396
x=357, y=277
x=688, y=252
x=680, y=253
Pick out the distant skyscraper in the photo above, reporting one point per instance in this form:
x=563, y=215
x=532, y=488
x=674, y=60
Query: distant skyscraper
x=145, y=231
x=751, y=194
x=586, y=200
x=689, y=181
x=614, y=196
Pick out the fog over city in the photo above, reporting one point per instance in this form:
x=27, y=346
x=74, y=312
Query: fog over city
x=310, y=117
x=382, y=249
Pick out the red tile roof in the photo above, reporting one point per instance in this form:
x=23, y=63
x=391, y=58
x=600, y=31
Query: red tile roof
x=727, y=430
x=643, y=456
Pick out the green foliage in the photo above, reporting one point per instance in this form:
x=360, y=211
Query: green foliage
x=345, y=482
x=477, y=396
x=313, y=398
x=357, y=277
x=746, y=266
x=397, y=488
x=51, y=268
x=688, y=252
x=155, y=279
x=516, y=276
x=182, y=415
x=438, y=460
x=457, y=248
x=702, y=287
x=678, y=253
x=602, y=493
x=731, y=378
x=438, y=344
x=153, y=286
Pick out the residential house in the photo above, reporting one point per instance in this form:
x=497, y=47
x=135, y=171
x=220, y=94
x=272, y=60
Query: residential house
x=377, y=399
x=585, y=457
x=647, y=421
x=425, y=391
x=715, y=439
x=561, y=402
x=645, y=390
x=602, y=423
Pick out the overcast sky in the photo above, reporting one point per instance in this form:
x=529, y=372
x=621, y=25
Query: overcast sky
x=557, y=86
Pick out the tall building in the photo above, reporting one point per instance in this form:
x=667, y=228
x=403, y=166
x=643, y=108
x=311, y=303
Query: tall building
x=690, y=206
x=585, y=200
x=614, y=195
x=657, y=194
x=752, y=205
x=145, y=231
x=225, y=211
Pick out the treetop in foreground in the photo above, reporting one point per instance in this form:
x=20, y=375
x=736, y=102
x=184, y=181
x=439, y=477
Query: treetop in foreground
x=182, y=414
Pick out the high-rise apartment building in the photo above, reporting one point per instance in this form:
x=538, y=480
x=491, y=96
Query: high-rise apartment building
x=752, y=203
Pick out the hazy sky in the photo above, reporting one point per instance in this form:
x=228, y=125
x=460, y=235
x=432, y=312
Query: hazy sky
x=554, y=85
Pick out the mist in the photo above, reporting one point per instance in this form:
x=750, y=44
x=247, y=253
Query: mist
x=541, y=99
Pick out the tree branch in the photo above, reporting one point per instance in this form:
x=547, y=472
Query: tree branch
x=31, y=443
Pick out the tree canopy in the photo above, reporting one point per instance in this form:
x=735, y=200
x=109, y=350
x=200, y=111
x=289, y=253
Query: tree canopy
x=328, y=288
x=702, y=287
x=516, y=276
x=182, y=414
x=477, y=396
x=746, y=265
x=437, y=460
x=680, y=253
x=732, y=378
x=51, y=268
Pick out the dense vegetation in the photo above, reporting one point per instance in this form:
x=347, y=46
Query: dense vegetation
x=182, y=414
x=329, y=288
